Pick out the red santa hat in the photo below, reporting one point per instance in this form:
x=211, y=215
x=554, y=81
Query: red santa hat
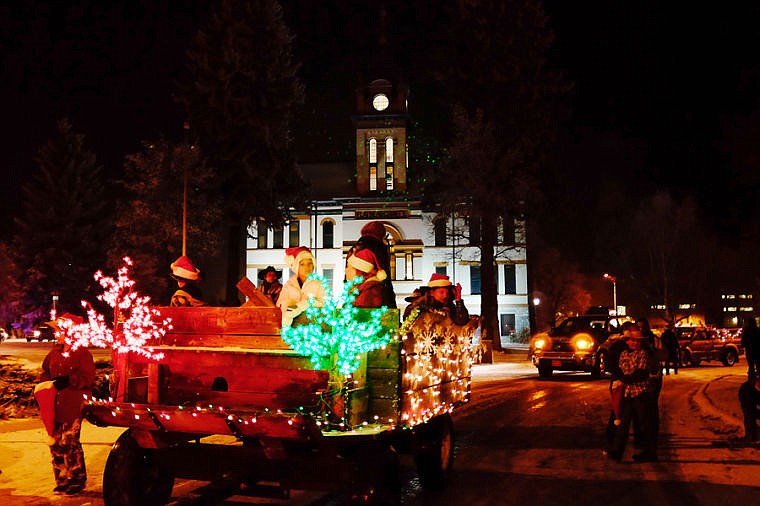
x=439, y=281
x=183, y=268
x=365, y=261
x=293, y=256
x=374, y=229
x=74, y=319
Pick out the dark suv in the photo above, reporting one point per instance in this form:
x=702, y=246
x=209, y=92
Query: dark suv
x=699, y=344
x=579, y=343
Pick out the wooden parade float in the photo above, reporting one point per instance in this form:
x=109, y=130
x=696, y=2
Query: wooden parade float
x=230, y=400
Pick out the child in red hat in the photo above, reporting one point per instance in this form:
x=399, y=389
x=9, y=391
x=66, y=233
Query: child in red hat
x=187, y=276
x=443, y=296
x=298, y=289
x=364, y=263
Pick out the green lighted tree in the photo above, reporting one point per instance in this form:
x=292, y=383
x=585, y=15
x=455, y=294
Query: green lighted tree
x=340, y=332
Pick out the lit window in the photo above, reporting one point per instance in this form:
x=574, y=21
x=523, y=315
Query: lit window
x=373, y=151
x=294, y=236
x=373, y=179
x=389, y=150
x=389, y=177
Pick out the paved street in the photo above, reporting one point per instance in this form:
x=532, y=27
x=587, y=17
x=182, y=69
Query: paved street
x=521, y=440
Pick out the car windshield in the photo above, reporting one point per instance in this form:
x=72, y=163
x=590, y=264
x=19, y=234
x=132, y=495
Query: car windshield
x=574, y=325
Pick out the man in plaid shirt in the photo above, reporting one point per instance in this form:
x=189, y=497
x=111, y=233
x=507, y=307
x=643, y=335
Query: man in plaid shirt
x=636, y=365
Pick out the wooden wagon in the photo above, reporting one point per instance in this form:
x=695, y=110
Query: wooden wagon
x=231, y=401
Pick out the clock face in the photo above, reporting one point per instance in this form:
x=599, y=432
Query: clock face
x=380, y=102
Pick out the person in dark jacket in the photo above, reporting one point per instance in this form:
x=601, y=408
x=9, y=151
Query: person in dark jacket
x=749, y=399
x=373, y=238
x=670, y=344
x=370, y=292
x=751, y=343
x=270, y=283
x=444, y=297
x=73, y=375
x=187, y=276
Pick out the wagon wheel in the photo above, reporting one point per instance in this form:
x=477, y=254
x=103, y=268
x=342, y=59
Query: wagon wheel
x=434, y=453
x=384, y=487
x=132, y=477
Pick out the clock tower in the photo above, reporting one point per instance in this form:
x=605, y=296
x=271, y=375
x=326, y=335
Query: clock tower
x=381, y=122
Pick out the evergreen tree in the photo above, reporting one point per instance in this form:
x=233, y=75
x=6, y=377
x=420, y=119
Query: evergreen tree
x=60, y=234
x=504, y=114
x=240, y=99
x=148, y=227
x=10, y=290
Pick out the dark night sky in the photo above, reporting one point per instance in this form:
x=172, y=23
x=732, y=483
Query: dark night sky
x=653, y=80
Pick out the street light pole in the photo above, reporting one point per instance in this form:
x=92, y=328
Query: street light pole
x=614, y=290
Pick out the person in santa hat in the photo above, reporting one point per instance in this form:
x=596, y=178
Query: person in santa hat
x=373, y=238
x=298, y=289
x=70, y=374
x=370, y=293
x=187, y=276
x=443, y=296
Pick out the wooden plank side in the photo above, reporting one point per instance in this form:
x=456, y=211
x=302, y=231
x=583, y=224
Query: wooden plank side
x=385, y=358
x=197, y=359
x=290, y=401
x=258, y=342
x=223, y=320
x=237, y=380
x=383, y=383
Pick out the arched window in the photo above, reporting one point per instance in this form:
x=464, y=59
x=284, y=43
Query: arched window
x=328, y=228
x=388, y=163
x=373, y=164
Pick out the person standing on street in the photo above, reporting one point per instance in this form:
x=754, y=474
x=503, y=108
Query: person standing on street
x=670, y=344
x=749, y=399
x=72, y=373
x=751, y=343
x=636, y=367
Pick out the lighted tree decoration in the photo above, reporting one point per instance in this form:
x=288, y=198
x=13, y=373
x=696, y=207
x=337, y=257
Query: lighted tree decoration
x=137, y=322
x=339, y=332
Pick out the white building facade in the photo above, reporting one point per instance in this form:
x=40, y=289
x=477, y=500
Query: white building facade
x=347, y=196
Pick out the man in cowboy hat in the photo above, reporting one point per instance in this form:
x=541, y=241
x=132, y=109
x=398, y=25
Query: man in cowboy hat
x=270, y=283
x=416, y=294
x=187, y=276
x=443, y=296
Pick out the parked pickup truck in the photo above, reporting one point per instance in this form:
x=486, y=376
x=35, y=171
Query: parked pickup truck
x=231, y=401
x=579, y=343
x=698, y=344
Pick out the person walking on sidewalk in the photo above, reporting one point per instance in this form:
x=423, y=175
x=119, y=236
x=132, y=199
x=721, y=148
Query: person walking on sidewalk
x=751, y=343
x=636, y=365
x=670, y=343
x=749, y=399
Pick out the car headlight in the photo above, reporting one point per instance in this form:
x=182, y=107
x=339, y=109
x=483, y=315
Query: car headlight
x=583, y=342
x=539, y=343
x=36, y=333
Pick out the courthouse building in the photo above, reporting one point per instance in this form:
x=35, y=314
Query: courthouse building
x=374, y=187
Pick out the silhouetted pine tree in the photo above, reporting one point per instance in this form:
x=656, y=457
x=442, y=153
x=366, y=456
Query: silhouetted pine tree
x=148, y=225
x=59, y=243
x=240, y=99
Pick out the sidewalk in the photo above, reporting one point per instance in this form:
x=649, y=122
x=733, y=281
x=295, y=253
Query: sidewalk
x=719, y=398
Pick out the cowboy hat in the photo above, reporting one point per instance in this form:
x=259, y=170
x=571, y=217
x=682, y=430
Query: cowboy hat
x=263, y=272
